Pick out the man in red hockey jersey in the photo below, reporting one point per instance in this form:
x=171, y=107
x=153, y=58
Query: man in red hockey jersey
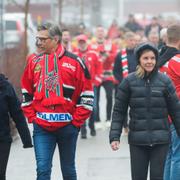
x=169, y=63
x=107, y=52
x=57, y=99
x=94, y=65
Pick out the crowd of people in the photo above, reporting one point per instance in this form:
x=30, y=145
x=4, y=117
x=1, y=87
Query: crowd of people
x=61, y=83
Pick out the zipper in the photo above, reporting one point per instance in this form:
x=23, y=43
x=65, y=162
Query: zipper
x=148, y=94
x=148, y=88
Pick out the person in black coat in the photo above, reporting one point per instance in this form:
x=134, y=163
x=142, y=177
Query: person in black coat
x=10, y=107
x=125, y=63
x=151, y=98
x=128, y=55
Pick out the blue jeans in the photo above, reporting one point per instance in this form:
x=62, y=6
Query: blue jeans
x=45, y=144
x=172, y=166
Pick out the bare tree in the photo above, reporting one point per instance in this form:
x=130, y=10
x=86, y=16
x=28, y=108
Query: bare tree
x=20, y=6
x=96, y=12
x=25, y=8
x=60, y=5
x=17, y=55
x=82, y=10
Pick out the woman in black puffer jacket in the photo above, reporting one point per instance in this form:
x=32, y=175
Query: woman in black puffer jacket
x=151, y=97
x=10, y=107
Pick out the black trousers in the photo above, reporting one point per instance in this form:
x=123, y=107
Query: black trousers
x=4, y=156
x=144, y=157
x=90, y=124
x=108, y=86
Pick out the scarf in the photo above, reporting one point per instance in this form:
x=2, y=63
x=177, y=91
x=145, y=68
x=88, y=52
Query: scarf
x=124, y=62
x=49, y=89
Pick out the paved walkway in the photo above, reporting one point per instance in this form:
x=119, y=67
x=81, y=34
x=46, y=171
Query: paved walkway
x=95, y=160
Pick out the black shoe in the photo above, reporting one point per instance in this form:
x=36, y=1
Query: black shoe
x=97, y=119
x=93, y=132
x=83, y=136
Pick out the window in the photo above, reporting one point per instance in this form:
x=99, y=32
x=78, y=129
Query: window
x=10, y=25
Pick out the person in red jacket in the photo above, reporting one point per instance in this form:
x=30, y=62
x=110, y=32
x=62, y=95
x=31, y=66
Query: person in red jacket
x=169, y=63
x=94, y=66
x=107, y=52
x=66, y=40
x=57, y=99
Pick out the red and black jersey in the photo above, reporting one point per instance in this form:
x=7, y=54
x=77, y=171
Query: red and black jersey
x=107, y=52
x=56, y=98
x=174, y=72
x=169, y=63
x=93, y=64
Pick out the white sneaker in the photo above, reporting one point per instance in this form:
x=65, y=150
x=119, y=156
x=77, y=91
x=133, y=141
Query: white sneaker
x=98, y=125
x=108, y=124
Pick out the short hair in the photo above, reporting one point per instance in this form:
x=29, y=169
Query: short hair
x=173, y=33
x=53, y=30
x=82, y=25
x=155, y=18
x=129, y=35
x=163, y=32
x=65, y=29
x=153, y=34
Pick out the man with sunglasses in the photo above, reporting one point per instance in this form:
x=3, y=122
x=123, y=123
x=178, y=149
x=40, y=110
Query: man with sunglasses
x=57, y=99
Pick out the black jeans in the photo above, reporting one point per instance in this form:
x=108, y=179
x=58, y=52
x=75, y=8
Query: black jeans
x=108, y=86
x=143, y=156
x=4, y=156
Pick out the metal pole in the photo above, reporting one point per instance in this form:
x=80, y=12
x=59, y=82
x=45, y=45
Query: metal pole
x=96, y=16
x=60, y=11
x=121, y=12
x=1, y=36
x=82, y=10
x=1, y=23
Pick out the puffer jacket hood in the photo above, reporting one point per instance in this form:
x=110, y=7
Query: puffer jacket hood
x=145, y=46
x=166, y=55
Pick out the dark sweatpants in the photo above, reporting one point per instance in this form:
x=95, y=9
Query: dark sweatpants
x=4, y=156
x=108, y=86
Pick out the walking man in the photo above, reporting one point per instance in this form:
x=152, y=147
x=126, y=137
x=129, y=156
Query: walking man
x=169, y=63
x=57, y=99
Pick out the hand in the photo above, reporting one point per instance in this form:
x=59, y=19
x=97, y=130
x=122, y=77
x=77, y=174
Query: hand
x=115, y=145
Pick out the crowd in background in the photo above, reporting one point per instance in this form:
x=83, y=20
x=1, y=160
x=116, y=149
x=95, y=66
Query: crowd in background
x=108, y=48
x=58, y=98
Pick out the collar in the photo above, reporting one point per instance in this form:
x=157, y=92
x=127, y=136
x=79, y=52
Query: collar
x=60, y=51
